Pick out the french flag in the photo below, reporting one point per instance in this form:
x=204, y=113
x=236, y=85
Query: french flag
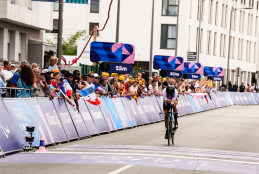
x=99, y=89
x=68, y=88
x=92, y=99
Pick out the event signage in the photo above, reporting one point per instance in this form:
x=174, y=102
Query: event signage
x=192, y=68
x=168, y=63
x=191, y=56
x=213, y=71
x=177, y=74
x=50, y=116
x=120, y=68
x=194, y=76
x=65, y=118
x=216, y=78
x=112, y=52
x=9, y=136
x=87, y=117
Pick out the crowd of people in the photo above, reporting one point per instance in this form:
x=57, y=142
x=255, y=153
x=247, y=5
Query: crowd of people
x=242, y=88
x=50, y=82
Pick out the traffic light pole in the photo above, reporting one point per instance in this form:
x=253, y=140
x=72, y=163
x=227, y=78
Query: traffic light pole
x=60, y=30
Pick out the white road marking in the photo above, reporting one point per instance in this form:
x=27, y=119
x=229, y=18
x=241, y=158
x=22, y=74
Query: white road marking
x=151, y=155
x=120, y=169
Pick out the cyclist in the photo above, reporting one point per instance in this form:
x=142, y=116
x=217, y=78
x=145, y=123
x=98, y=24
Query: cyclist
x=170, y=97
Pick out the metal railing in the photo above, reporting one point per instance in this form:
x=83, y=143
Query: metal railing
x=9, y=92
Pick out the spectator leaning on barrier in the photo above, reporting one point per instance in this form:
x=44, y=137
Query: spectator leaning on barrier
x=115, y=76
x=126, y=77
x=53, y=63
x=27, y=80
x=105, y=76
x=40, y=82
x=242, y=88
x=76, y=80
x=34, y=65
x=97, y=87
x=6, y=71
x=2, y=84
x=128, y=84
x=13, y=70
x=235, y=87
x=57, y=84
x=111, y=89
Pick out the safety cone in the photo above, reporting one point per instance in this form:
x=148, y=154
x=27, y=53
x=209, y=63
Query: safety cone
x=42, y=145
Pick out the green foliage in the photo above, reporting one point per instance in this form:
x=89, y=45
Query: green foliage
x=69, y=46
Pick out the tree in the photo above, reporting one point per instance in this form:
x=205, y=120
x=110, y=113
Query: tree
x=69, y=46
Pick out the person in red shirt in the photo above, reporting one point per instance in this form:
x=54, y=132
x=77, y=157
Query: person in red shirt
x=127, y=86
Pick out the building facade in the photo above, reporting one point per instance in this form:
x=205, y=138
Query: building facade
x=21, y=35
x=176, y=30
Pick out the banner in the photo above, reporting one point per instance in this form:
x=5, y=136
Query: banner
x=9, y=137
x=97, y=117
x=256, y=96
x=65, y=118
x=77, y=120
x=91, y=127
x=213, y=71
x=22, y=116
x=251, y=99
x=50, y=116
x=156, y=106
x=168, y=63
x=123, y=112
x=107, y=114
x=149, y=110
x=114, y=114
x=192, y=68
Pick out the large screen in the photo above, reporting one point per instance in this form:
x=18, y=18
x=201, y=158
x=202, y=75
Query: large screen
x=213, y=71
x=192, y=68
x=112, y=52
x=168, y=63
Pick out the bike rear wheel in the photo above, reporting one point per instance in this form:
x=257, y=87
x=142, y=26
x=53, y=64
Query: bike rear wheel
x=169, y=130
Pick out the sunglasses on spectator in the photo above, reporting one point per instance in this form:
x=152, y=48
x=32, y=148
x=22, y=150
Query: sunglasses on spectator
x=97, y=77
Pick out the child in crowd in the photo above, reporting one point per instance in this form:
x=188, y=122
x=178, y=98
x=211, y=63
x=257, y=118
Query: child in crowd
x=53, y=63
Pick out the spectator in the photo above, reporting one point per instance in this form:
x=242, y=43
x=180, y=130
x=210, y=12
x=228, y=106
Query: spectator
x=128, y=84
x=13, y=68
x=159, y=86
x=115, y=76
x=40, y=82
x=97, y=86
x=105, y=76
x=235, y=87
x=53, y=63
x=134, y=88
x=249, y=89
x=90, y=78
x=139, y=75
x=149, y=85
x=154, y=88
x=6, y=71
x=76, y=80
x=126, y=77
x=2, y=84
x=222, y=88
x=242, y=88
x=57, y=84
x=34, y=65
x=120, y=85
x=111, y=89
x=192, y=86
x=27, y=80
x=16, y=75
x=165, y=83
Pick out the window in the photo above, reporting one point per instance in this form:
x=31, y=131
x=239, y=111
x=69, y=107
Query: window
x=257, y=5
x=254, y=52
x=242, y=43
x=223, y=16
x=209, y=42
x=94, y=6
x=248, y=23
x=226, y=17
x=250, y=46
x=221, y=45
x=243, y=22
x=91, y=27
x=233, y=47
x=238, y=49
x=256, y=18
x=210, y=11
x=216, y=13
x=168, y=36
x=56, y=6
x=235, y=14
x=251, y=27
x=55, y=27
x=247, y=48
x=240, y=22
x=230, y=47
x=202, y=10
x=252, y=3
x=215, y=44
x=224, y=46
x=170, y=8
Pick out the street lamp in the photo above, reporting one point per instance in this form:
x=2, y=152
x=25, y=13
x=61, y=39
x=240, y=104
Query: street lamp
x=246, y=8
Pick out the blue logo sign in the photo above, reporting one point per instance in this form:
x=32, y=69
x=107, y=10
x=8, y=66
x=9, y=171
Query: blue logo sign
x=177, y=74
x=194, y=76
x=120, y=68
x=216, y=78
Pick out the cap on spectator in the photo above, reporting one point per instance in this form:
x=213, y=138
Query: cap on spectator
x=106, y=74
x=122, y=78
x=12, y=65
x=140, y=82
x=131, y=81
x=114, y=74
x=90, y=75
x=68, y=74
x=91, y=72
x=45, y=71
x=143, y=80
x=55, y=70
x=96, y=75
x=164, y=79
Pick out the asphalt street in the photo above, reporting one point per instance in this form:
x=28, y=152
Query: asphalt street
x=223, y=140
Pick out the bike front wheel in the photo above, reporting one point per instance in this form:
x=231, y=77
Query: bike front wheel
x=169, y=131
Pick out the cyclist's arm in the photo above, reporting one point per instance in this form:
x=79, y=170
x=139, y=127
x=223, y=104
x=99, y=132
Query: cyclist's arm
x=175, y=95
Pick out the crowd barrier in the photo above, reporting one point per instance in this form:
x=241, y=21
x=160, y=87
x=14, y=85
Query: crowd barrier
x=58, y=121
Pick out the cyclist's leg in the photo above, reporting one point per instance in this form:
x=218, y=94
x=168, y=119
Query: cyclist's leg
x=165, y=119
x=175, y=116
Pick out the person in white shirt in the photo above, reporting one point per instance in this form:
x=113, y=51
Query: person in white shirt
x=134, y=88
x=6, y=71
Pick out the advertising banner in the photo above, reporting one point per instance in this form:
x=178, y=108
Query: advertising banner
x=256, y=96
x=157, y=108
x=107, y=115
x=91, y=127
x=149, y=109
x=177, y=74
x=50, y=118
x=193, y=104
x=114, y=114
x=251, y=99
x=77, y=120
x=192, y=68
x=97, y=117
x=32, y=103
x=213, y=71
x=65, y=118
x=194, y=76
x=152, y=107
x=243, y=98
x=215, y=100
x=126, y=119
x=10, y=139
x=168, y=63
x=180, y=106
x=22, y=116
x=112, y=52
x=215, y=78
x=120, y=68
